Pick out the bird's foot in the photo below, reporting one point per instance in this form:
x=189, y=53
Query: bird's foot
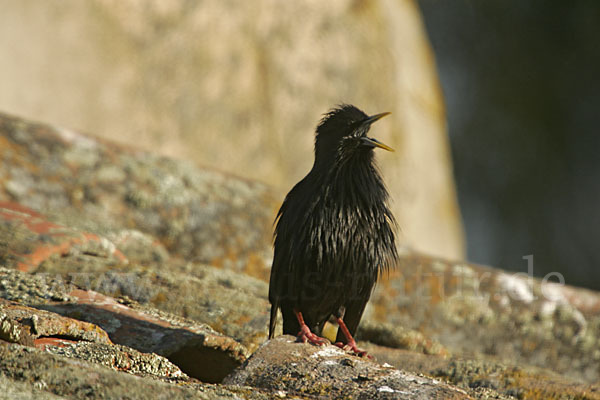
x=351, y=346
x=305, y=335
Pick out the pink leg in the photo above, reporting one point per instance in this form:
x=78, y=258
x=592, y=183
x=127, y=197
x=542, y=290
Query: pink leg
x=305, y=335
x=351, y=345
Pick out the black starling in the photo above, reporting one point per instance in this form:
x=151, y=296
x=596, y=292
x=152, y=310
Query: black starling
x=334, y=233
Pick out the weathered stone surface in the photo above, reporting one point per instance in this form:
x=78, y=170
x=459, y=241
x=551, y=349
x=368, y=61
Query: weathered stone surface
x=76, y=339
x=240, y=88
x=195, y=348
x=104, y=189
x=26, y=325
x=28, y=238
x=78, y=379
x=487, y=378
x=473, y=309
x=117, y=357
x=233, y=304
x=398, y=337
x=139, y=247
x=33, y=289
x=284, y=366
x=24, y=390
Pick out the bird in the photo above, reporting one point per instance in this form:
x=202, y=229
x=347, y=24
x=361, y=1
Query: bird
x=334, y=234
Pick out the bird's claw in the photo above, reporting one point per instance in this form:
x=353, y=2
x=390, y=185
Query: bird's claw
x=351, y=346
x=305, y=335
x=312, y=338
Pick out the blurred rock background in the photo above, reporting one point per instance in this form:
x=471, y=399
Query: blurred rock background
x=240, y=86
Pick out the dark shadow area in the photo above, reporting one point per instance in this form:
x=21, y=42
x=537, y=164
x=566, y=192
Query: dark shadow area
x=521, y=85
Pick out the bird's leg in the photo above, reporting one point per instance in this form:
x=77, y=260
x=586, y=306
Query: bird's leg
x=351, y=343
x=305, y=335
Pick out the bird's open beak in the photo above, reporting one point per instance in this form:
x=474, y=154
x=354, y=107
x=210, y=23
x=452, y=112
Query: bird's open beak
x=367, y=141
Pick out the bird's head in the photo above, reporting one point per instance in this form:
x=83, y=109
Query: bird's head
x=342, y=133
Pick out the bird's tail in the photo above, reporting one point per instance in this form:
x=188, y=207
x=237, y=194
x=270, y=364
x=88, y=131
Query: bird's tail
x=273, y=320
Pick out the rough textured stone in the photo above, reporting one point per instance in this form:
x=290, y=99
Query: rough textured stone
x=487, y=378
x=33, y=289
x=119, y=358
x=282, y=365
x=24, y=390
x=195, y=348
x=239, y=87
x=398, y=337
x=233, y=304
x=473, y=309
x=196, y=213
x=139, y=247
x=28, y=238
x=78, y=379
x=76, y=339
x=26, y=325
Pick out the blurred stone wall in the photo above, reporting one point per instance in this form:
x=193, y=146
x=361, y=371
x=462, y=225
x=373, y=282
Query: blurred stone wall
x=240, y=86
